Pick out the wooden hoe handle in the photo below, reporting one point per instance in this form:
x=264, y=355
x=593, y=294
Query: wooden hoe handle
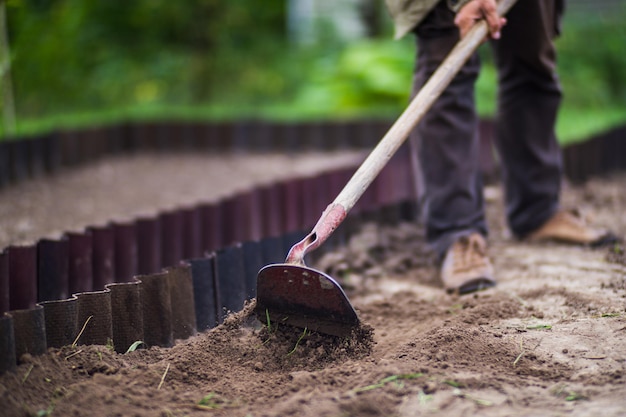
x=336, y=212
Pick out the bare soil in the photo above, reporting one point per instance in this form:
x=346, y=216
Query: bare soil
x=549, y=340
x=124, y=188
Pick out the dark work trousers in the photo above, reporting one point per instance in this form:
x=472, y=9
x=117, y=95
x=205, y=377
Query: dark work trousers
x=447, y=142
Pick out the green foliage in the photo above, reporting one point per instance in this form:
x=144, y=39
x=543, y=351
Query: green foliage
x=76, y=62
x=591, y=69
x=69, y=55
x=370, y=76
x=592, y=52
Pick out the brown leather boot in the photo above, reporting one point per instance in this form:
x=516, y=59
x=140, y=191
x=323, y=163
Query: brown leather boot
x=466, y=267
x=571, y=226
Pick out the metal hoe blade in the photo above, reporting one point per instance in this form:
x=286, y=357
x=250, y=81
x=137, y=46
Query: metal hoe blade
x=304, y=297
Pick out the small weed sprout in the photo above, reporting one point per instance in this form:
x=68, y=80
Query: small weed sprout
x=110, y=345
x=304, y=333
x=479, y=401
x=269, y=322
x=385, y=381
x=46, y=412
x=210, y=402
x=453, y=384
x=574, y=396
x=134, y=346
x=268, y=326
x=424, y=398
x=563, y=392
x=539, y=327
x=455, y=308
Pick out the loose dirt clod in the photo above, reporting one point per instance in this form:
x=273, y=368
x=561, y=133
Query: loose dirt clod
x=295, y=347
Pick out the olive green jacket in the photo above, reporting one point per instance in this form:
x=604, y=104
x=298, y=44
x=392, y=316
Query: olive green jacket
x=407, y=14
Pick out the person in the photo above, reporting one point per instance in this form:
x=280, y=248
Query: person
x=447, y=143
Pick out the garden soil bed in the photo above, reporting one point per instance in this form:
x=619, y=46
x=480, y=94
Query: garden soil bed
x=549, y=340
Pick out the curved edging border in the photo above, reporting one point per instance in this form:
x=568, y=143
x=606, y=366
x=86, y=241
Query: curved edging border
x=49, y=153
x=44, y=154
x=167, y=277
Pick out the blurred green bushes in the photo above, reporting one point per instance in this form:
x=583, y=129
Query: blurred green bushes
x=373, y=77
x=72, y=55
x=77, y=62
x=370, y=77
x=592, y=68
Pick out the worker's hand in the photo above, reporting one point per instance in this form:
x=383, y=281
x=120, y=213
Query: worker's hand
x=476, y=10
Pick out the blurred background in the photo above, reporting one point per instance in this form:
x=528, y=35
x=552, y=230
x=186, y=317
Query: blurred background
x=71, y=63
